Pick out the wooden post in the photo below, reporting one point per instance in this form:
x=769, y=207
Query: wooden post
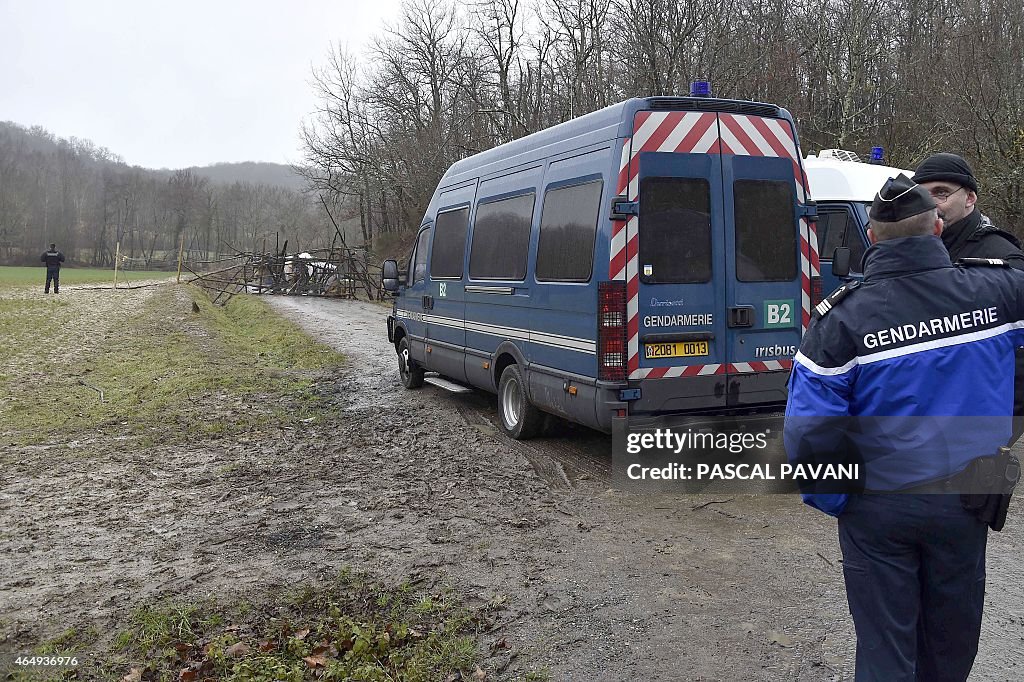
x=181, y=250
x=117, y=259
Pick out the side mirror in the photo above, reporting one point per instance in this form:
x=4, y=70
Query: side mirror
x=841, y=262
x=389, y=275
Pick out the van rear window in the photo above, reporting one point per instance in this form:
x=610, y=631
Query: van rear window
x=501, y=238
x=568, y=224
x=449, y=245
x=766, y=231
x=675, y=230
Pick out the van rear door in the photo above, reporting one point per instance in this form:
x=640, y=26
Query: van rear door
x=774, y=253
x=763, y=285
x=680, y=268
x=723, y=255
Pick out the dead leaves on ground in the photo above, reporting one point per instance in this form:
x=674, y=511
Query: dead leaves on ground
x=205, y=659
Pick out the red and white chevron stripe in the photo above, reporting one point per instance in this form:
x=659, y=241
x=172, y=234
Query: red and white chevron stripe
x=760, y=366
x=707, y=133
x=708, y=370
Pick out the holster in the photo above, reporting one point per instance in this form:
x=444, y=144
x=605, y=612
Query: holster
x=991, y=481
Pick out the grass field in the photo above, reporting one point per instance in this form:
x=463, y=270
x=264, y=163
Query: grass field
x=160, y=371
x=103, y=374
x=36, y=276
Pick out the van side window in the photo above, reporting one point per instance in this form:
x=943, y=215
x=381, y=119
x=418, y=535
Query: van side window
x=420, y=268
x=675, y=230
x=766, y=232
x=856, y=244
x=409, y=264
x=568, y=226
x=449, y=245
x=501, y=238
x=831, y=226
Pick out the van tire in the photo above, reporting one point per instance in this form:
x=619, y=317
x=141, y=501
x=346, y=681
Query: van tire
x=517, y=416
x=408, y=369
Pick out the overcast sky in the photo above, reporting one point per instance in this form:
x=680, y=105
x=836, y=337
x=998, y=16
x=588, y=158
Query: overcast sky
x=171, y=84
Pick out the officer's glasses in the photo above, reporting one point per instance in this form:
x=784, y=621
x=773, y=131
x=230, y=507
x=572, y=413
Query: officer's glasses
x=940, y=195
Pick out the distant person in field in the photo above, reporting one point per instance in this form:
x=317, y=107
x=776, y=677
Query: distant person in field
x=53, y=258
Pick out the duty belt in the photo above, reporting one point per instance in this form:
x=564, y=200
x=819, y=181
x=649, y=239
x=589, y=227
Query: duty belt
x=944, y=486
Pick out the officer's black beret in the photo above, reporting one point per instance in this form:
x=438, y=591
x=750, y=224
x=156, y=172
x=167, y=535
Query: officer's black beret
x=900, y=198
x=948, y=167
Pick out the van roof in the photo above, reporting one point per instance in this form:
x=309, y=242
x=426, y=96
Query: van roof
x=833, y=179
x=615, y=121
x=598, y=126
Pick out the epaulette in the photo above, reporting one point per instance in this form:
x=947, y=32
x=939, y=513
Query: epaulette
x=833, y=299
x=991, y=262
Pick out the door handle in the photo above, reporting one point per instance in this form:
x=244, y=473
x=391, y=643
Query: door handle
x=741, y=316
x=428, y=302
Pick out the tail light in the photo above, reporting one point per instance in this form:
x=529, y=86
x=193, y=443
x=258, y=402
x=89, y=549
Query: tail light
x=815, y=291
x=612, y=354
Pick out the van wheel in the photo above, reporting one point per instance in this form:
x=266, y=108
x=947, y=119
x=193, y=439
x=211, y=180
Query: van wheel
x=408, y=369
x=519, y=418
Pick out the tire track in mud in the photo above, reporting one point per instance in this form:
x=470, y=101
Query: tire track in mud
x=561, y=457
x=565, y=454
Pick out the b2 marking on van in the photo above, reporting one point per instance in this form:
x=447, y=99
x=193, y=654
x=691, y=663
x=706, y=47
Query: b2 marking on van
x=778, y=313
x=678, y=320
x=442, y=289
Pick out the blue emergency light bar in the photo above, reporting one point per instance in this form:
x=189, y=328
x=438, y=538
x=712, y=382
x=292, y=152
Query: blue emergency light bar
x=877, y=155
x=700, y=89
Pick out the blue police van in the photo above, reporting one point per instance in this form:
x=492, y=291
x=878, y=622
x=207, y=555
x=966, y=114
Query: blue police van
x=843, y=187
x=655, y=257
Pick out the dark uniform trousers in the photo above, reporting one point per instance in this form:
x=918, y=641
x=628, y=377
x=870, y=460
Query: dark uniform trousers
x=52, y=275
x=915, y=580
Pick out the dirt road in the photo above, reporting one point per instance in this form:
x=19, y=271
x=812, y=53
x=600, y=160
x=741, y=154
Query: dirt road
x=587, y=583
x=608, y=586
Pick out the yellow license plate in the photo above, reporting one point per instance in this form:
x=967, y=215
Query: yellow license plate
x=677, y=349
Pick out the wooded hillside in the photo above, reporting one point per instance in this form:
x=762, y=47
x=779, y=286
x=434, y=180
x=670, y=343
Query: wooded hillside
x=86, y=199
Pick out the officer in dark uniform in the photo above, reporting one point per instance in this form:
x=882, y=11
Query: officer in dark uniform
x=917, y=339
x=53, y=258
x=968, y=233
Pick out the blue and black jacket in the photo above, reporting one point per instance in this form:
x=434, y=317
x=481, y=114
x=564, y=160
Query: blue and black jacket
x=911, y=373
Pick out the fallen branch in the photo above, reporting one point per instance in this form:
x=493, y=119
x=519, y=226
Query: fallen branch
x=701, y=506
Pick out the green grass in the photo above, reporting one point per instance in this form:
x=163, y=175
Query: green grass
x=36, y=276
x=349, y=629
x=165, y=373
x=247, y=323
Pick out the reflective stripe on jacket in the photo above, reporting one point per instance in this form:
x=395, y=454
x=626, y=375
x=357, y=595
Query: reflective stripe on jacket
x=921, y=355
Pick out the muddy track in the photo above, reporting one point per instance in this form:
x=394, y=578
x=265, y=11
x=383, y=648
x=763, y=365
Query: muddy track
x=586, y=581
x=708, y=587
x=562, y=455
